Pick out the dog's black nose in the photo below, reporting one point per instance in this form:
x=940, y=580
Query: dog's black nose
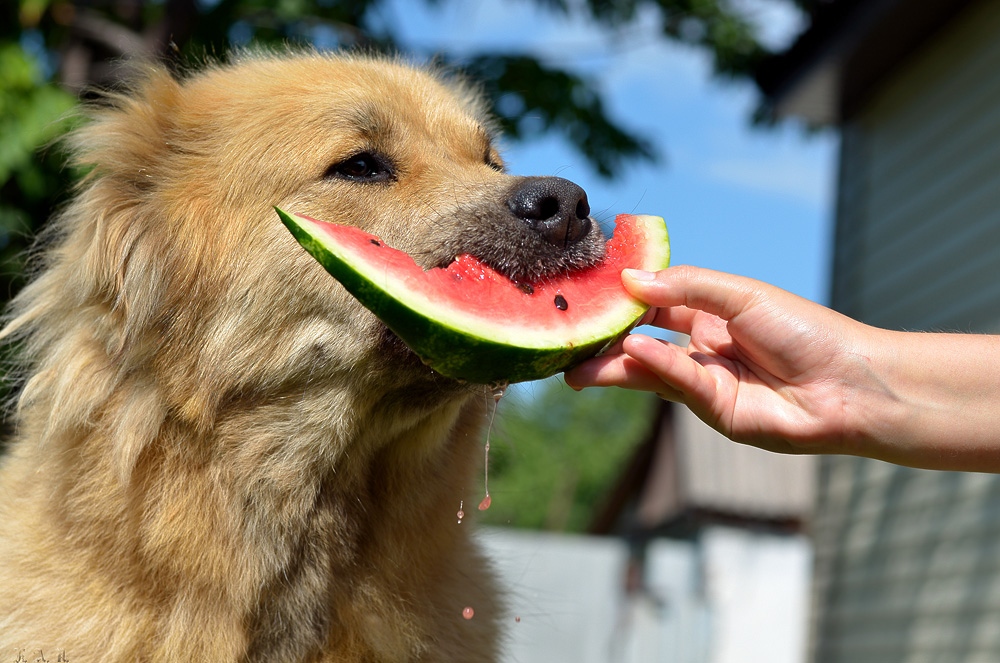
x=555, y=208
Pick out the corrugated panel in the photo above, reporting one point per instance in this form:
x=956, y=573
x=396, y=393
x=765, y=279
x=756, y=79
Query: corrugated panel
x=733, y=478
x=695, y=467
x=907, y=565
x=908, y=561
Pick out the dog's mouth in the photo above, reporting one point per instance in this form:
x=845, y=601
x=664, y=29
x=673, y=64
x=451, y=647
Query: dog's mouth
x=533, y=267
x=542, y=228
x=538, y=229
x=515, y=255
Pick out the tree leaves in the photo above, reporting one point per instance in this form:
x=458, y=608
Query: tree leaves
x=32, y=114
x=531, y=98
x=555, y=452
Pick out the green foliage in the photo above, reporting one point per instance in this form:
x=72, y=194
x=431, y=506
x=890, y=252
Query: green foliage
x=32, y=114
x=531, y=98
x=721, y=27
x=554, y=452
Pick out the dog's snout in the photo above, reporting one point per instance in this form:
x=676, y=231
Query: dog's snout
x=555, y=208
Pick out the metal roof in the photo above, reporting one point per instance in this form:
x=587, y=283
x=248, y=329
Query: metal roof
x=688, y=471
x=714, y=474
x=850, y=46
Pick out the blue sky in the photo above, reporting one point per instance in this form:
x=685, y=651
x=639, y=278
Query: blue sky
x=750, y=201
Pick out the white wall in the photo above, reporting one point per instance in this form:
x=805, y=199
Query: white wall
x=736, y=597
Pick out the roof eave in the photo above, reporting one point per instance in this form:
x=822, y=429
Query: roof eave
x=851, y=45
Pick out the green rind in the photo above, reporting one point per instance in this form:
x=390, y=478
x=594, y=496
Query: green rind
x=452, y=352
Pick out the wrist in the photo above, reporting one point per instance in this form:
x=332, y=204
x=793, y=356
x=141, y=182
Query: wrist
x=873, y=411
x=930, y=401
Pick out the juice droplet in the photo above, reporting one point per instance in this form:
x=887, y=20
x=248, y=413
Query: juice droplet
x=498, y=392
x=461, y=513
x=517, y=619
x=468, y=612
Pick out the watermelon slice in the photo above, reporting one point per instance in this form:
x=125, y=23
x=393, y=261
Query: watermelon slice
x=469, y=322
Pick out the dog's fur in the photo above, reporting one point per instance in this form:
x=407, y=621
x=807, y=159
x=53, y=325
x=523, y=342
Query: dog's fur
x=219, y=456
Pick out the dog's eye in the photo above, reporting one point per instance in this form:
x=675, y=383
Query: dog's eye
x=363, y=167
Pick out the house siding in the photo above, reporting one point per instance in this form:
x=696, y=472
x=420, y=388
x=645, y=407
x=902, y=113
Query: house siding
x=908, y=561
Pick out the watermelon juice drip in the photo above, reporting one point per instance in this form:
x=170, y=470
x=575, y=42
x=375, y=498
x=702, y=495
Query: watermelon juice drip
x=498, y=392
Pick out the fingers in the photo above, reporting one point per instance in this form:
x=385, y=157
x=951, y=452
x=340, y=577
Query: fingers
x=619, y=370
x=718, y=293
x=648, y=364
x=680, y=297
x=674, y=370
x=676, y=318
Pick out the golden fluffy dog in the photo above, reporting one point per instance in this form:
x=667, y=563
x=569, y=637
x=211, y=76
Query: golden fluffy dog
x=219, y=455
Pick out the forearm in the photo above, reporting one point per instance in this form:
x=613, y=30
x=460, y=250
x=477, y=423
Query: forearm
x=933, y=401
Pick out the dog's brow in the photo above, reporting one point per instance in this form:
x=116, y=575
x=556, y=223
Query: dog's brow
x=372, y=123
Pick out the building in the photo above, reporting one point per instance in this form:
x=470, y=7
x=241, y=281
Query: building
x=907, y=562
x=716, y=567
x=686, y=476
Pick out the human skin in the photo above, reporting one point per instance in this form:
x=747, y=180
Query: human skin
x=773, y=370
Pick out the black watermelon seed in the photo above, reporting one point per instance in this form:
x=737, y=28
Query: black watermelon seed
x=561, y=303
x=375, y=242
x=526, y=288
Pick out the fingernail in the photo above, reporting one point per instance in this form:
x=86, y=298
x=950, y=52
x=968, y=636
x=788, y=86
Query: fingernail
x=639, y=274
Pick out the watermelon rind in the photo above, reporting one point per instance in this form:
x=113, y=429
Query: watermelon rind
x=461, y=346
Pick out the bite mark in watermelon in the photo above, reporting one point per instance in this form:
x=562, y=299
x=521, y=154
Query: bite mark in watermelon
x=469, y=322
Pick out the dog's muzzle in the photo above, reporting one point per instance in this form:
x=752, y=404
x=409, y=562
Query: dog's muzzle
x=555, y=208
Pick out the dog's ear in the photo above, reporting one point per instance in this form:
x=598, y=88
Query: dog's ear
x=100, y=272
x=105, y=233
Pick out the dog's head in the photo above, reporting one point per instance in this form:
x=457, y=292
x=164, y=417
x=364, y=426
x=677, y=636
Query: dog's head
x=172, y=258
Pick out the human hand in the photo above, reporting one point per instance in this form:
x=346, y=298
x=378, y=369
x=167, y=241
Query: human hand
x=763, y=366
x=771, y=369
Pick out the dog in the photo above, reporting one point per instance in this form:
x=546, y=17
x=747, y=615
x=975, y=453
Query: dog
x=219, y=455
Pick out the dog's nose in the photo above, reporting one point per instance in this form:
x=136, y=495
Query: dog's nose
x=555, y=208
